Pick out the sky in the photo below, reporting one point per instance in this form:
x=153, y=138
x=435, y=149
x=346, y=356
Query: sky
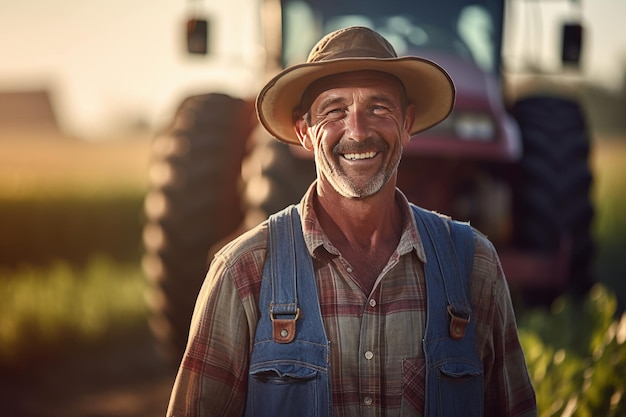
x=110, y=63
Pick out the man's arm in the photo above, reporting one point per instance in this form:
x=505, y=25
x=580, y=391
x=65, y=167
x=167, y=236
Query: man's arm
x=508, y=389
x=212, y=378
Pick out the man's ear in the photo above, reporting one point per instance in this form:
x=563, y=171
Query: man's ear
x=409, y=118
x=302, y=130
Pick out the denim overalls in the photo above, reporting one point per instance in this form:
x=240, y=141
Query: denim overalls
x=290, y=366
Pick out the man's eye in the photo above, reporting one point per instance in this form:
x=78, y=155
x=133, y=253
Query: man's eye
x=380, y=108
x=335, y=112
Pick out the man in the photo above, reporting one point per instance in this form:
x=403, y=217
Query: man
x=355, y=105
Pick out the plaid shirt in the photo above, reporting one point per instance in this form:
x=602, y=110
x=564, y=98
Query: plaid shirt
x=387, y=324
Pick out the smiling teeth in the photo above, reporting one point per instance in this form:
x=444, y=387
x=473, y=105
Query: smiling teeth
x=355, y=156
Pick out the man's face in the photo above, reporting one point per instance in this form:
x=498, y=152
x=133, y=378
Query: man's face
x=356, y=124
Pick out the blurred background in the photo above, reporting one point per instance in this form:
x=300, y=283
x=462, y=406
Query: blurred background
x=86, y=85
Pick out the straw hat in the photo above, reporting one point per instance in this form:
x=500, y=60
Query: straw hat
x=427, y=85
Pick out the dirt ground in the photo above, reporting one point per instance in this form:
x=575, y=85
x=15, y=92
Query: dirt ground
x=126, y=379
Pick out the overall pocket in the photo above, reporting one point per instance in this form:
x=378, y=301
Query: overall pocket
x=460, y=389
x=283, y=390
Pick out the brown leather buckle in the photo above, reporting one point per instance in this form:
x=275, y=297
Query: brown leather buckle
x=284, y=330
x=457, y=325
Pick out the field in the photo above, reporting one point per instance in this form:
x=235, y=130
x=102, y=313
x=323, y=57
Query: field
x=74, y=337
x=43, y=165
x=65, y=199
x=609, y=158
x=94, y=191
x=70, y=241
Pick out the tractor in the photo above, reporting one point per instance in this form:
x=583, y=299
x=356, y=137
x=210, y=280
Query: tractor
x=512, y=158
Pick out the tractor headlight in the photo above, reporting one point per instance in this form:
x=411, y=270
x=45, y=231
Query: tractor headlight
x=474, y=126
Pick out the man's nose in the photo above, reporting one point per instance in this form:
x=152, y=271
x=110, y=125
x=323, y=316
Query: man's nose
x=357, y=125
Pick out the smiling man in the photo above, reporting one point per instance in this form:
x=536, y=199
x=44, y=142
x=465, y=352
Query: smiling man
x=354, y=302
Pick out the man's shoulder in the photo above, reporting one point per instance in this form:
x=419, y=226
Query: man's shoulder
x=484, y=248
x=252, y=242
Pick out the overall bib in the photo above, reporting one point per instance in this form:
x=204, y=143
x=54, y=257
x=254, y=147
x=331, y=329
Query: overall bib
x=290, y=364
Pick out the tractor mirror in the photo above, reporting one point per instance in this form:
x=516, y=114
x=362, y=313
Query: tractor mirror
x=572, y=44
x=198, y=36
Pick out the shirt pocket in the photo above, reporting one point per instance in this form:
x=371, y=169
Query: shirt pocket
x=460, y=388
x=413, y=387
x=282, y=389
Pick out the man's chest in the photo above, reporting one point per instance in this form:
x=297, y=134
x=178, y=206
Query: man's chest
x=388, y=322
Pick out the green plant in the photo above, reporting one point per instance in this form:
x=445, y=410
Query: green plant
x=576, y=356
x=46, y=312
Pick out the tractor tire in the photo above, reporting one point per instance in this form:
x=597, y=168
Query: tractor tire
x=553, y=200
x=193, y=201
x=275, y=177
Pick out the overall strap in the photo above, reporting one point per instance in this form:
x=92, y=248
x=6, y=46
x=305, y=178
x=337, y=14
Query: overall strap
x=449, y=262
x=284, y=311
x=454, y=371
x=289, y=269
x=290, y=360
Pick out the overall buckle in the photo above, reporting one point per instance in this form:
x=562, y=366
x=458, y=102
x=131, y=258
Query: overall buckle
x=283, y=330
x=458, y=324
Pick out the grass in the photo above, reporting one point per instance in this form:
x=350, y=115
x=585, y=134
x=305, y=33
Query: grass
x=48, y=312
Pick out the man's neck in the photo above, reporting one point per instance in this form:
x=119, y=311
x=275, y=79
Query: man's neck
x=366, y=231
x=359, y=218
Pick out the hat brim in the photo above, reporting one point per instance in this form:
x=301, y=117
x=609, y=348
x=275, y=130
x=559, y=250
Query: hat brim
x=427, y=85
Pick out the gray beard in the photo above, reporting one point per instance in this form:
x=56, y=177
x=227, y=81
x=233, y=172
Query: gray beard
x=345, y=187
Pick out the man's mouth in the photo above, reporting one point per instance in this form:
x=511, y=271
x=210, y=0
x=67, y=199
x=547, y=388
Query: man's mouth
x=358, y=156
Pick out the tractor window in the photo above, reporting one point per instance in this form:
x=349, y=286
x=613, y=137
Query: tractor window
x=476, y=28
x=465, y=28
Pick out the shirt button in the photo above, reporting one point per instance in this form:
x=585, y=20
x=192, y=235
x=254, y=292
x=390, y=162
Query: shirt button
x=368, y=400
x=369, y=355
x=372, y=302
x=349, y=270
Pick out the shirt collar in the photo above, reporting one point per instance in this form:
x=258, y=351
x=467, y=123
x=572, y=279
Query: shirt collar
x=315, y=237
